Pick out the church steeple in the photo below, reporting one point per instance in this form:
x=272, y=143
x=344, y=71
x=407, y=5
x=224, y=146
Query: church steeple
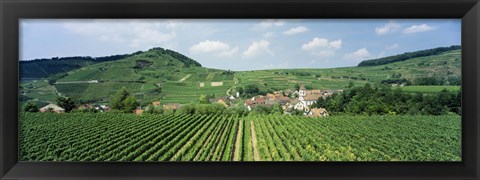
x=302, y=92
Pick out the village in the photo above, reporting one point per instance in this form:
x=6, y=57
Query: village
x=300, y=100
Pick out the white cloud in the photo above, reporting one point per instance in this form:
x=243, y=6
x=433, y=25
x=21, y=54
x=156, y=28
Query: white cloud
x=229, y=53
x=315, y=43
x=418, y=28
x=268, y=34
x=322, y=47
x=256, y=48
x=387, y=28
x=296, y=30
x=360, y=54
x=135, y=33
x=214, y=47
x=392, y=47
x=265, y=24
x=337, y=44
x=325, y=53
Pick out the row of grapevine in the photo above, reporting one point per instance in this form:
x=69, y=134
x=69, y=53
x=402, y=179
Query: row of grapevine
x=128, y=137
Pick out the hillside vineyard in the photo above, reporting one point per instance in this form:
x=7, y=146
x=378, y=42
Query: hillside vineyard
x=127, y=137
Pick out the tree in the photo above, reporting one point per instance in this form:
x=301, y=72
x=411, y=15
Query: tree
x=239, y=89
x=186, y=109
x=321, y=103
x=130, y=104
x=123, y=101
x=119, y=98
x=297, y=86
x=350, y=84
x=30, y=107
x=252, y=89
x=276, y=109
x=203, y=99
x=66, y=103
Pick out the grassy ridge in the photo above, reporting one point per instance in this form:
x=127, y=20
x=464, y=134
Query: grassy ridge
x=154, y=75
x=430, y=89
x=442, y=65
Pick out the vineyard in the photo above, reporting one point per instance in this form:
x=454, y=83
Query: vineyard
x=127, y=137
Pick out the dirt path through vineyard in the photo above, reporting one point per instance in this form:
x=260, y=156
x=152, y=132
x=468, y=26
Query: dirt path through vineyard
x=256, y=156
x=238, y=142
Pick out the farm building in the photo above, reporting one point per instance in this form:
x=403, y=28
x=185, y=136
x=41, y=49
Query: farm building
x=52, y=108
x=317, y=112
x=156, y=103
x=138, y=111
x=171, y=106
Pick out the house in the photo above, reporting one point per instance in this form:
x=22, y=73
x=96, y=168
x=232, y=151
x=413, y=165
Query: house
x=138, y=111
x=260, y=100
x=171, y=106
x=282, y=100
x=317, y=112
x=52, y=108
x=311, y=98
x=271, y=96
x=102, y=108
x=85, y=106
x=297, y=104
x=156, y=103
x=221, y=101
x=256, y=101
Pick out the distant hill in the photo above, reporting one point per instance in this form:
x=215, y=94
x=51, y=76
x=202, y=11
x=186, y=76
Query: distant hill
x=440, y=69
x=169, y=77
x=153, y=75
x=41, y=68
x=407, y=55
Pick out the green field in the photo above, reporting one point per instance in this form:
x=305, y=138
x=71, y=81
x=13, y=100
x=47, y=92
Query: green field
x=430, y=89
x=442, y=65
x=127, y=137
x=167, y=79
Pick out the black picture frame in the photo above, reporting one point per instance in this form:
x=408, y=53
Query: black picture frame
x=13, y=10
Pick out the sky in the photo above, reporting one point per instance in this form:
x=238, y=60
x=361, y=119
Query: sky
x=236, y=44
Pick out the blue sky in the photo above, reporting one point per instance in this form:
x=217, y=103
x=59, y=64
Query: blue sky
x=240, y=44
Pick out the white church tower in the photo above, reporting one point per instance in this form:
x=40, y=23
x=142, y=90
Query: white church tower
x=302, y=92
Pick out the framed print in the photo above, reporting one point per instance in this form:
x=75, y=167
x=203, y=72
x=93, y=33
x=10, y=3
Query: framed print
x=228, y=89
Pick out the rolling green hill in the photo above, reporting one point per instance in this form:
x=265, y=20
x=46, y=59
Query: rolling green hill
x=40, y=68
x=169, y=77
x=445, y=66
x=156, y=74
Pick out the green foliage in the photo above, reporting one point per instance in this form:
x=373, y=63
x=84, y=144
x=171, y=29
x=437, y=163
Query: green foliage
x=204, y=99
x=261, y=110
x=130, y=104
x=153, y=137
x=123, y=101
x=408, y=55
x=30, y=107
x=210, y=109
x=188, y=109
x=151, y=109
x=252, y=90
x=383, y=100
x=39, y=68
x=239, y=111
x=53, y=78
x=119, y=99
x=66, y=103
x=429, y=81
